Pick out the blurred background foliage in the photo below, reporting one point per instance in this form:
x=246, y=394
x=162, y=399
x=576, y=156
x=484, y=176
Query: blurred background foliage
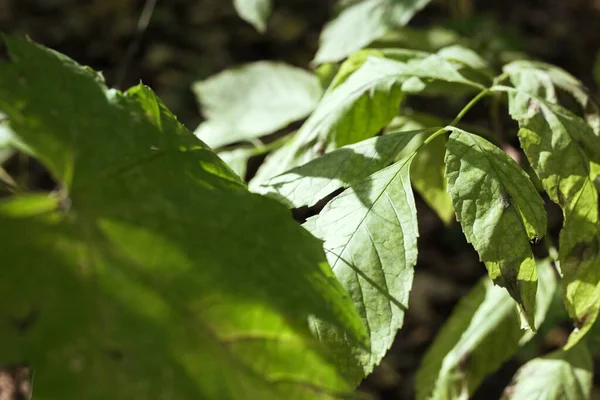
x=189, y=40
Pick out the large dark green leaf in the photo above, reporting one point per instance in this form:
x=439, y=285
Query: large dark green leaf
x=500, y=212
x=151, y=272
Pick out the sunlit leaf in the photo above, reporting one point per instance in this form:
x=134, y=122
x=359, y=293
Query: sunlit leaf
x=550, y=80
x=254, y=100
x=370, y=238
x=255, y=12
x=361, y=106
x=481, y=334
x=361, y=23
x=500, y=212
x=560, y=147
x=311, y=182
x=556, y=376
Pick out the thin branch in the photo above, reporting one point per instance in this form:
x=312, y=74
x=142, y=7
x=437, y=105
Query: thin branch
x=134, y=46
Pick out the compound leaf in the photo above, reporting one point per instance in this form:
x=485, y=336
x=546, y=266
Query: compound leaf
x=255, y=12
x=563, y=374
x=254, y=100
x=480, y=335
x=151, y=271
x=361, y=23
x=370, y=237
x=500, y=212
x=361, y=106
x=561, y=147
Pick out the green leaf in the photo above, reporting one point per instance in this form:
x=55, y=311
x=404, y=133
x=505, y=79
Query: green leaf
x=465, y=56
x=427, y=170
x=560, y=146
x=162, y=276
x=500, y=212
x=254, y=100
x=361, y=23
x=360, y=107
x=556, y=376
x=370, y=237
x=237, y=159
x=311, y=182
x=480, y=335
x=352, y=64
x=429, y=180
x=545, y=81
x=255, y=12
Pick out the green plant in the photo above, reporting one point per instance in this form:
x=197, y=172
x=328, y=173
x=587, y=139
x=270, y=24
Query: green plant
x=151, y=271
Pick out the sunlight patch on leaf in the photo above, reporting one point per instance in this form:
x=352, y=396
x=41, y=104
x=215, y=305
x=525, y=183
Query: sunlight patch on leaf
x=562, y=148
x=360, y=107
x=311, y=182
x=162, y=275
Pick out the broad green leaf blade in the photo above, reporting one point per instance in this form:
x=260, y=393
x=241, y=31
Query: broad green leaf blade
x=429, y=180
x=255, y=12
x=161, y=275
x=560, y=147
x=254, y=100
x=360, y=107
x=370, y=237
x=545, y=80
x=466, y=57
x=361, y=23
x=480, y=335
x=311, y=182
x=556, y=376
x=500, y=212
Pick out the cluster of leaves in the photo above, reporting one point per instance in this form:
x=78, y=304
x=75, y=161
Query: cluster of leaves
x=153, y=271
x=356, y=139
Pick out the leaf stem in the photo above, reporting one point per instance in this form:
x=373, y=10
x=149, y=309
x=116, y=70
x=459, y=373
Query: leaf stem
x=456, y=120
x=469, y=105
